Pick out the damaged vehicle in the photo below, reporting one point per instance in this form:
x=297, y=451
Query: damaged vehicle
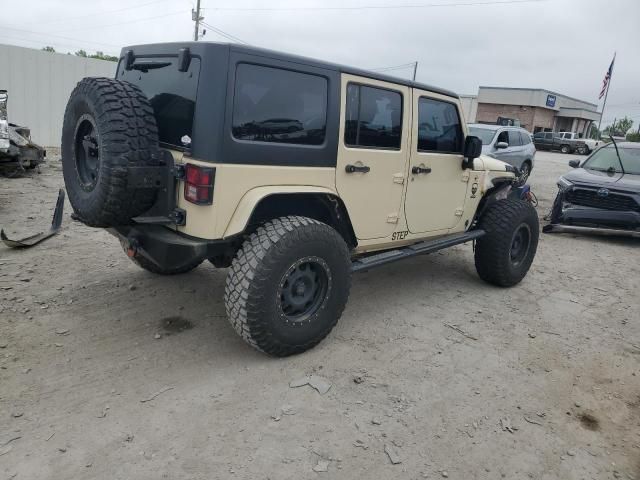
x=601, y=194
x=292, y=173
x=17, y=152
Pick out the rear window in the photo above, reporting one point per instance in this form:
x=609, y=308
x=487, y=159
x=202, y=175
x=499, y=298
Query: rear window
x=172, y=94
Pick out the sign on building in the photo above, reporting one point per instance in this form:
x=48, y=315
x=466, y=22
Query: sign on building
x=551, y=101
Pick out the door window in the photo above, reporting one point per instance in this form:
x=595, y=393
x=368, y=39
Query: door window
x=503, y=137
x=373, y=118
x=514, y=138
x=439, y=127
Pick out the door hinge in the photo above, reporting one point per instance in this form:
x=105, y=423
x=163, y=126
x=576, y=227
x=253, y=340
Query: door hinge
x=459, y=212
x=465, y=176
x=392, y=218
x=398, y=178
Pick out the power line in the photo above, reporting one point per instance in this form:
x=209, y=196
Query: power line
x=222, y=33
x=106, y=12
x=395, y=67
x=145, y=19
x=80, y=41
x=40, y=43
x=375, y=7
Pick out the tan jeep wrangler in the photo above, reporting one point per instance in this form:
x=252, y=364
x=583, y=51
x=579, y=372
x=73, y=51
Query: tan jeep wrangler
x=293, y=173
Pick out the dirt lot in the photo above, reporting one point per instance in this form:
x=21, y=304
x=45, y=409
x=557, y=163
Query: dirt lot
x=107, y=371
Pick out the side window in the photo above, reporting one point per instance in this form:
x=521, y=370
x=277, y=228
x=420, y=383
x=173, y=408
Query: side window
x=275, y=105
x=514, y=138
x=503, y=137
x=539, y=136
x=439, y=127
x=548, y=135
x=373, y=117
x=526, y=139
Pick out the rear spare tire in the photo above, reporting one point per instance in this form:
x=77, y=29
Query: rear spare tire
x=108, y=127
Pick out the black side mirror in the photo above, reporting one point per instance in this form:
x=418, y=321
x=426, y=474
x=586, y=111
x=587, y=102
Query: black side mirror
x=574, y=163
x=472, y=149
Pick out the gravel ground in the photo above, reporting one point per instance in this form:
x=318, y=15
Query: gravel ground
x=107, y=371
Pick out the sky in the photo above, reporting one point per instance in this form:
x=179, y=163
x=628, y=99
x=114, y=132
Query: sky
x=561, y=45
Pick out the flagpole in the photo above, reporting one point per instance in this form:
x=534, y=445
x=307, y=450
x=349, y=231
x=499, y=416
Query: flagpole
x=604, y=104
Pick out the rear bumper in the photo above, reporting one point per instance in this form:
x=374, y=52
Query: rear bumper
x=170, y=249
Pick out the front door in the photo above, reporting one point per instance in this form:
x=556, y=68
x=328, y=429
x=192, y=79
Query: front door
x=372, y=153
x=436, y=191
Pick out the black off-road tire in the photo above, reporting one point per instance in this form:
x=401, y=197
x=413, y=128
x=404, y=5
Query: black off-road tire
x=254, y=289
x=124, y=133
x=149, y=266
x=503, y=221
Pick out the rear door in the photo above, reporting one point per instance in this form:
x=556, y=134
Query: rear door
x=372, y=153
x=436, y=191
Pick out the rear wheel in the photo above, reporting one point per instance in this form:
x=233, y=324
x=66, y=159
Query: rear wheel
x=505, y=253
x=565, y=149
x=288, y=285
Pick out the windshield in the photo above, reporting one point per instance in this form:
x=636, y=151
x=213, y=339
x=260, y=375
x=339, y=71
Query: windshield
x=483, y=134
x=606, y=160
x=172, y=94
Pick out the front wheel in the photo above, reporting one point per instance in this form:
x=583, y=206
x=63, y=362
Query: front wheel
x=525, y=171
x=505, y=253
x=288, y=285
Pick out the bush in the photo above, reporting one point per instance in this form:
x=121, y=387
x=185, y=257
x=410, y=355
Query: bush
x=633, y=137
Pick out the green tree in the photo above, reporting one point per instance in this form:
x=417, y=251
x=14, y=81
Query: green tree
x=81, y=53
x=619, y=128
x=623, y=126
x=49, y=49
x=102, y=56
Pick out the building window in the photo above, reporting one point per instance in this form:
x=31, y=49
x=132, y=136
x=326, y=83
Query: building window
x=276, y=105
x=439, y=126
x=373, y=118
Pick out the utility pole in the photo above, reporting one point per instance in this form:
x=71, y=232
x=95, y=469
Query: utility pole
x=415, y=70
x=195, y=16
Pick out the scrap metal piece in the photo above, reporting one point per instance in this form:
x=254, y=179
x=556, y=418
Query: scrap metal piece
x=39, y=237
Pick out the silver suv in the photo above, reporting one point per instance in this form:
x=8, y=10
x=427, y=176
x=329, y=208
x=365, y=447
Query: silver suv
x=512, y=145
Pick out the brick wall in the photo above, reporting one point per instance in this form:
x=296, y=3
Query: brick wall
x=530, y=117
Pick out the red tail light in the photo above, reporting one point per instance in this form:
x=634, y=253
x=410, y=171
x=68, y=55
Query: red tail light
x=198, y=184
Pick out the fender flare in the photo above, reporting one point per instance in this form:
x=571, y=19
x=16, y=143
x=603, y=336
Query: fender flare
x=253, y=197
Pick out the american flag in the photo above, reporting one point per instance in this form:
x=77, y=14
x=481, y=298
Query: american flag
x=607, y=78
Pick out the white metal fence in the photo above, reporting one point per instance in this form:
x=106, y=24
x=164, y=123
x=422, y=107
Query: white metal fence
x=39, y=84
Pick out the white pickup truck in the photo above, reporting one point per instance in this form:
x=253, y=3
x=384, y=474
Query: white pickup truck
x=590, y=143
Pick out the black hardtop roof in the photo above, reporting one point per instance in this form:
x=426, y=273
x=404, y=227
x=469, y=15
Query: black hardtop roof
x=199, y=48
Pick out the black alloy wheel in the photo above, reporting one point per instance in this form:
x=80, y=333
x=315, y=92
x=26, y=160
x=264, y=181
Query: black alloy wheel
x=304, y=289
x=86, y=152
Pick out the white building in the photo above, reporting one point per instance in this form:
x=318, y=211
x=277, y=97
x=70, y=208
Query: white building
x=39, y=84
